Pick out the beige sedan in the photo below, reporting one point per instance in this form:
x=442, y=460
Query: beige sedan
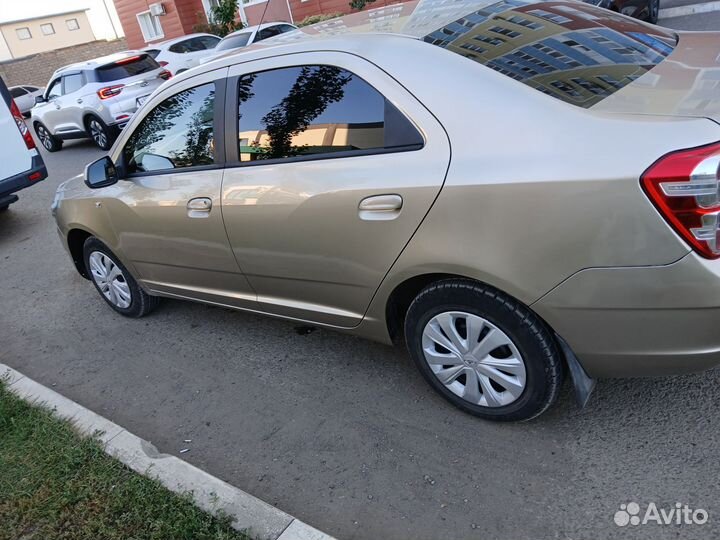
x=514, y=190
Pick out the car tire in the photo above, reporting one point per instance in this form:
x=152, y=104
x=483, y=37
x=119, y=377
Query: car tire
x=48, y=141
x=506, y=367
x=99, y=132
x=653, y=11
x=114, y=282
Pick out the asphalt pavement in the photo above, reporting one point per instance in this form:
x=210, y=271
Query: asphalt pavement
x=344, y=433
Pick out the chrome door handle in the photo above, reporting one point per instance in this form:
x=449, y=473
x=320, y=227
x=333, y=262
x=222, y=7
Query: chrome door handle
x=380, y=207
x=199, y=207
x=79, y=100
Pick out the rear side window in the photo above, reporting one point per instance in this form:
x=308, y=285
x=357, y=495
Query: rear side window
x=563, y=49
x=128, y=67
x=17, y=92
x=233, y=42
x=207, y=42
x=181, y=47
x=316, y=111
x=268, y=32
x=178, y=133
x=72, y=83
x=153, y=53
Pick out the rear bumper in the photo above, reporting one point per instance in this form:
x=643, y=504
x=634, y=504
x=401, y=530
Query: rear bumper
x=639, y=321
x=22, y=180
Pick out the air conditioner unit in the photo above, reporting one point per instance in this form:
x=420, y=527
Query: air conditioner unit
x=157, y=9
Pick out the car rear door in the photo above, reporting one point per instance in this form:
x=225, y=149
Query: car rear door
x=331, y=168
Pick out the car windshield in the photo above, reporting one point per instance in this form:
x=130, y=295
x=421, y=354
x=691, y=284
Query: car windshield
x=233, y=42
x=567, y=50
x=127, y=67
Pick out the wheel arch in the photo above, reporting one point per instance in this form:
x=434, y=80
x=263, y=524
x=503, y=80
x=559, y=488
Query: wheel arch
x=76, y=240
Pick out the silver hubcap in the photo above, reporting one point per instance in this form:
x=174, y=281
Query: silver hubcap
x=97, y=133
x=474, y=359
x=110, y=279
x=44, y=137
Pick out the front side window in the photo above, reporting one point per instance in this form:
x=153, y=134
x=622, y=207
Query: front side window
x=178, y=133
x=54, y=89
x=207, y=42
x=73, y=83
x=268, y=32
x=316, y=110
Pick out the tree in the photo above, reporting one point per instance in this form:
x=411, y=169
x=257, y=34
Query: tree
x=222, y=20
x=360, y=4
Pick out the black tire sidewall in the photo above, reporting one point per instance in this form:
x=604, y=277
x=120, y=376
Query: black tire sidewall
x=522, y=328
x=135, y=309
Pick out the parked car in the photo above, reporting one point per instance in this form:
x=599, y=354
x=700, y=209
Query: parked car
x=472, y=209
x=24, y=97
x=247, y=36
x=95, y=99
x=21, y=165
x=180, y=54
x=647, y=10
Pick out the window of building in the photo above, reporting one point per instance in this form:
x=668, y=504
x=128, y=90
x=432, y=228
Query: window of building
x=47, y=29
x=178, y=133
x=72, y=24
x=316, y=111
x=23, y=33
x=150, y=26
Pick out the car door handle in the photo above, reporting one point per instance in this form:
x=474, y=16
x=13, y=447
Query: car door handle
x=380, y=207
x=199, y=207
x=79, y=100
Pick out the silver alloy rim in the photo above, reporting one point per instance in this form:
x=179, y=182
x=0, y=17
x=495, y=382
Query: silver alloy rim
x=474, y=359
x=110, y=279
x=44, y=137
x=97, y=133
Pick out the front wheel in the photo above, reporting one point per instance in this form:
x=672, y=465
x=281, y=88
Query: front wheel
x=47, y=139
x=483, y=351
x=113, y=281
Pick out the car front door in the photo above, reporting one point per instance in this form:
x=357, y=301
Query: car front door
x=49, y=110
x=166, y=212
x=71, y=102
x=333, y=167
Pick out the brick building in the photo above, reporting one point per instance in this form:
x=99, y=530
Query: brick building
x=149, y=21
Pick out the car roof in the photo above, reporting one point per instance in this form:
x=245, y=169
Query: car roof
x=173, y=41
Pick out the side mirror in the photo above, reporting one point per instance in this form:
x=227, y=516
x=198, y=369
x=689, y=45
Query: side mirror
x=101, y=173
x=40, y=99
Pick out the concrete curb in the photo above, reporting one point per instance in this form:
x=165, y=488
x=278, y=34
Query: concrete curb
x=259, y=519
x=692, y=9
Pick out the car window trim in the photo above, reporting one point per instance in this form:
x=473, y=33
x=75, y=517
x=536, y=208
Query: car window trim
x=218, y=146
x=62, y=81
x=232, y=152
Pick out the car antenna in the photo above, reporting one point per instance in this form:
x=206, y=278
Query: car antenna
x=262, y=18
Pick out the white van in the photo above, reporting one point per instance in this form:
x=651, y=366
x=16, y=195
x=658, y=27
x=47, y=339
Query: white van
x=21, y=165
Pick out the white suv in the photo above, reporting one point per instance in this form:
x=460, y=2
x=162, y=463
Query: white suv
x=95, y=99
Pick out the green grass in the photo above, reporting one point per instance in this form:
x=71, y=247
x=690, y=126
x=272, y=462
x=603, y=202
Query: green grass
x=55, y=484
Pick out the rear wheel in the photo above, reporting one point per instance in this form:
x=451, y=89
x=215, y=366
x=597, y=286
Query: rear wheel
x=99, y=132
x=47, y=139
x=113, y=281
x=483, y=351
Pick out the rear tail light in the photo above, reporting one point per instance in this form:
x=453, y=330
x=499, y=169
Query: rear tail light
x=110, y=91
x=165, y=74
x=20, y=121
x=685, y=188
x=162, y=63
